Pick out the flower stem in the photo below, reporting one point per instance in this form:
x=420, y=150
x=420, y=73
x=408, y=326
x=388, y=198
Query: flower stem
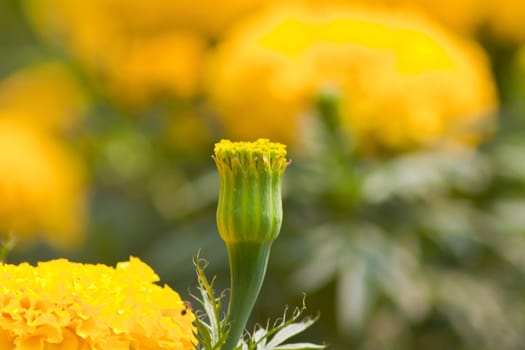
x=248, y=262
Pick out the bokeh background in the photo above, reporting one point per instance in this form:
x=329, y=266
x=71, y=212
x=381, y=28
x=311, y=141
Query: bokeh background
x=404, y=119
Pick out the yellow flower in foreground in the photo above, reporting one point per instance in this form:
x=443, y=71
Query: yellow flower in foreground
x=403, y=82
x=41, y=185
x=64, y=305
x=44, y=94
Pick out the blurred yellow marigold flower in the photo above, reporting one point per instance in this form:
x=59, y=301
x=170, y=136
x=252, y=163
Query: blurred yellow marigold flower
x=137, y=50
x=502, y=20
x=403, y=82
x=45, y=94
x=41, y=185
x=203, y=16
x=64, y=305
x=463, y=16
x=165, y=65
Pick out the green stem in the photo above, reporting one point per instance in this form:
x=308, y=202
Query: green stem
x=248, y=263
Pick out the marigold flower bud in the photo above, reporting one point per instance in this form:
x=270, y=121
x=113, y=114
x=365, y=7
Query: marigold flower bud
x=250, y=208
x=249, y=217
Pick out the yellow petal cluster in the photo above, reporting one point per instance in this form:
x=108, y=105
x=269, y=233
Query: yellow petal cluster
x=403, y=82
x=41, y=185
x=64, y=305
x=259, y=155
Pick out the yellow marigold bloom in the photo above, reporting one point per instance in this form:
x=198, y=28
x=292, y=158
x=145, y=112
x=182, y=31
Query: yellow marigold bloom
x=464, y=16
x=45, y=94
x=136, y=50
x=41, y=185
x=403, y=81
x=503, y=20
x=64, y=305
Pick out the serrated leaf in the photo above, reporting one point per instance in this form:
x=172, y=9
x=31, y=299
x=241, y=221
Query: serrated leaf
x=287, y=332
x=213, y=327
x=299, y=346
x=213, y=332
x=259, y=335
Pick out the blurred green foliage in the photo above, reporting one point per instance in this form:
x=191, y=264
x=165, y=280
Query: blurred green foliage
x=421, y=251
